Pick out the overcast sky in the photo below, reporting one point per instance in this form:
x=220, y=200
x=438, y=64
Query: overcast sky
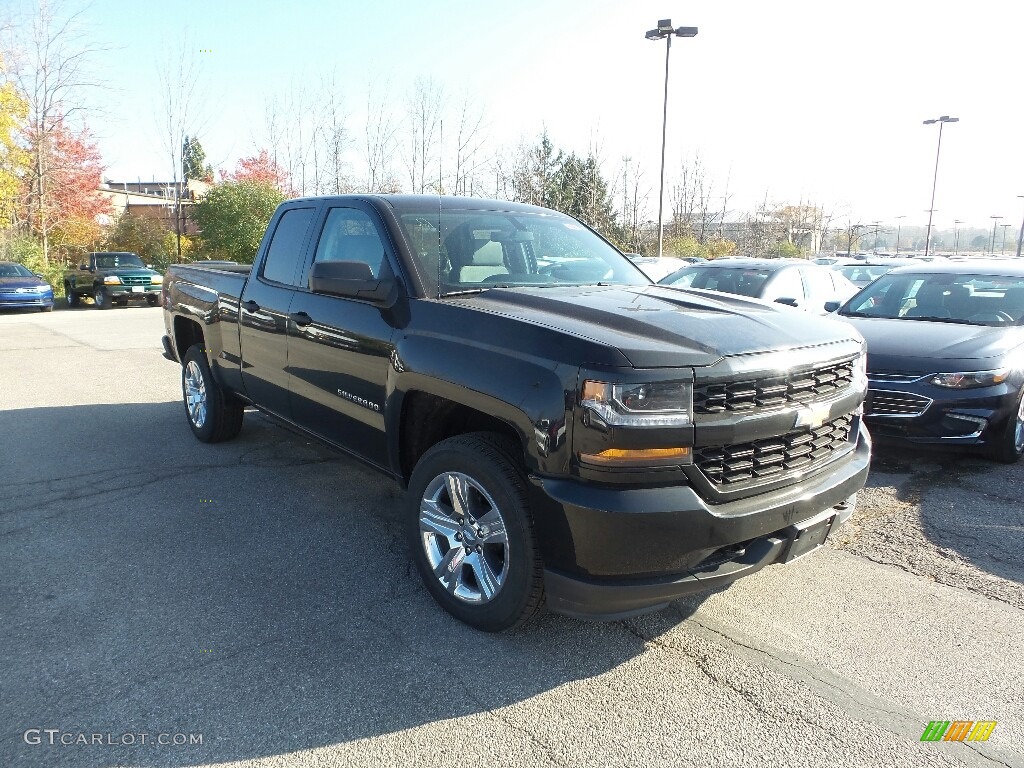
x=814, y=101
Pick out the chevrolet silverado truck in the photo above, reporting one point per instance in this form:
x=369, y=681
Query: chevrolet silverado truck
x=568, y=433
x=111, y=278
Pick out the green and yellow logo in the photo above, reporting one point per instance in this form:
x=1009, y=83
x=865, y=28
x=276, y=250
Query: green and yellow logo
x=958, y=730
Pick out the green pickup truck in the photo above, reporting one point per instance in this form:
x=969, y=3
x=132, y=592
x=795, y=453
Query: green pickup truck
x=112, y=278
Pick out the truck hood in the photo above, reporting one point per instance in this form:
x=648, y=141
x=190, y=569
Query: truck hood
x=924, y=346
x=654, y=326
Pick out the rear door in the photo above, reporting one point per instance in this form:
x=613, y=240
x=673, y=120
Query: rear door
x=339, y=349
x=263, y=309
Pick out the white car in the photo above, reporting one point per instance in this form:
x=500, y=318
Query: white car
x=657, y=267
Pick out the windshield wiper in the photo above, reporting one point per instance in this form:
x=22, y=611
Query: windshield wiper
x=937, y=319
x=862, y=314
x=465, y=292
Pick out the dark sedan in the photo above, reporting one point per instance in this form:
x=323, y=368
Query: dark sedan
x=21, y=289
x=794, y=282
x=946, y=355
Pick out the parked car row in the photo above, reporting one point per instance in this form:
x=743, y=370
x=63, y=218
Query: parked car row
x=108, y=278
x=945, y=338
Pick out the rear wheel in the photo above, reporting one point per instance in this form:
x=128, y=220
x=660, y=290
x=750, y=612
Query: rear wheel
x=1010, y=445
x=102, y=298
x=70, y=295
x=213, y=414
x=471, y=533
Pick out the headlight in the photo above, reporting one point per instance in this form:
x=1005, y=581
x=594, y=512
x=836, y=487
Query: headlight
x=156, y=279
x=970, y=379
x=112, y=280
x=860, y=370
x=653, y=404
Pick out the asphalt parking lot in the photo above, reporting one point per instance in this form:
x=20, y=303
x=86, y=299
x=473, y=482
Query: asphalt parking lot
x=257, y=594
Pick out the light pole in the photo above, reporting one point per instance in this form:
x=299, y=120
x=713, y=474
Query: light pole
x=1002, y=250
x=941, y=121
x=1020, y=235
x=995, y=222
x=956, y=236
x=899, y=227
x=665, y=30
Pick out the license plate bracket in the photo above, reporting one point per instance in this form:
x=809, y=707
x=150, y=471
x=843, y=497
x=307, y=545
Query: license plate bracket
x=137, y=289
x=807, y=536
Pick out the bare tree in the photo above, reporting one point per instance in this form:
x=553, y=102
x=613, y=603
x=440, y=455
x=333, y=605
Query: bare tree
x=335, y=138
x=425, y=105
x=469, y=141
x=50, y=69
x=380, y=137
x=178, y=79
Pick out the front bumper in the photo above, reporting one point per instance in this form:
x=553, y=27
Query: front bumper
x=26, y=301
x=122, y=292
x=622, y=552
x=969, y=417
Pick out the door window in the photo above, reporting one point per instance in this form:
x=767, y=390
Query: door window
x=285, y=249
x=349, y=235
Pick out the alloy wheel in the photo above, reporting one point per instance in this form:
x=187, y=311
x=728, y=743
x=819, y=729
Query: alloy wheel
x=463, y=535
x=195, y=394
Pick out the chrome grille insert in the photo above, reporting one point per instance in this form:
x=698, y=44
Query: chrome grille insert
x=884, y=402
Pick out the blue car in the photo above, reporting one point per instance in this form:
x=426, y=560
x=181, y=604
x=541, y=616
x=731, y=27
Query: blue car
x=21, y=288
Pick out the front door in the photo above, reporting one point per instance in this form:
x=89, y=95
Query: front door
x=339, y=349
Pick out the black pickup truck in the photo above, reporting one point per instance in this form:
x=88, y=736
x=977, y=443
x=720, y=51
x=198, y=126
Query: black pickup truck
x=569, y=433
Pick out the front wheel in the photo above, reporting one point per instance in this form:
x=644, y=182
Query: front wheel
x=471, y=534
x=70, y=295
x=102, y=298
x=1010, y=445
x=213, y=414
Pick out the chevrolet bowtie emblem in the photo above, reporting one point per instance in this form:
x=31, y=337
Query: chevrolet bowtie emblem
x=811, y=417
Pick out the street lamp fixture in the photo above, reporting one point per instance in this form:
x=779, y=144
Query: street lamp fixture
x=941, y=121
x=995, y=223
x=665, y=31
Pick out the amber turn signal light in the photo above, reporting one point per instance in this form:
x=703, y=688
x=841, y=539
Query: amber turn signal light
x=637, y=457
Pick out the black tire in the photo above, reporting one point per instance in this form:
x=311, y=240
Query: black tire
x=46, y=309
x=71, y=296
x=101, y=298
x=153, y=301
x=1009, y=446
x=222, y=418
x=489, y=461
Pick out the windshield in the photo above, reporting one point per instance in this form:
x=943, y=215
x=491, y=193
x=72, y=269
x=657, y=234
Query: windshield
x=744, y=281
x=112, y=260
x=14, y=270
x=949, y=298
x=459, y=251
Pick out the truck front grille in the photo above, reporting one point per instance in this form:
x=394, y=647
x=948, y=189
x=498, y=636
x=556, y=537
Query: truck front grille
x=881, y=402
x=732, y=466
x=135, y=280
x=772, y=392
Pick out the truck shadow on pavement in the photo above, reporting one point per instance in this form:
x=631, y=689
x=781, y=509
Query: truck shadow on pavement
x=967, y=507
x=257, y=592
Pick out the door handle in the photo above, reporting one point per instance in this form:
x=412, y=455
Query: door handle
x=250, y=306
x=301, y=319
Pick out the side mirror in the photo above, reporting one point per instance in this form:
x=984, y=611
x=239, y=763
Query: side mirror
x=832, y=306
x=351, y=279
x=787, y=301
x=40, y=275
x=83, y=267
x=149, y=266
